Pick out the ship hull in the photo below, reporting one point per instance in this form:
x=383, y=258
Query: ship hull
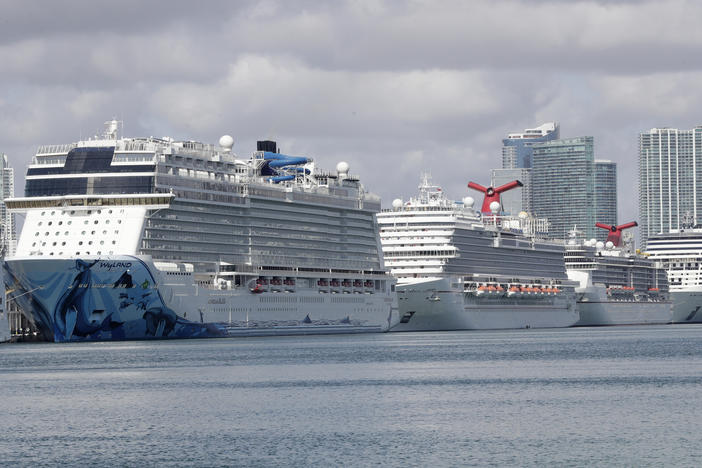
x=432, y=305
x=128, y=298
x=687, y=306
x=596, y=309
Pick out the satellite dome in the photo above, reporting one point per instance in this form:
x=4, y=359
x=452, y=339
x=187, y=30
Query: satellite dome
x=468, y=202
x=226, y=142
x=523, y=215
x=396, y=203
x=342, y=167
x=599, y=245
x=609, y=245
x=495, y=207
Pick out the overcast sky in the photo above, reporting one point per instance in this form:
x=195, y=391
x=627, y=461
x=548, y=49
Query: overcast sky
x=394, y=88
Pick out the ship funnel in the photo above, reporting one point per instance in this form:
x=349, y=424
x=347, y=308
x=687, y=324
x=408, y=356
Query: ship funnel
x=492, y=194
x=615, y=232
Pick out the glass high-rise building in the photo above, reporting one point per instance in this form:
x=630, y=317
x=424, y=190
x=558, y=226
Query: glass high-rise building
x=670, y=167
x=517, y=147
x=563, y=185
x=605, y=187
x=7, y=219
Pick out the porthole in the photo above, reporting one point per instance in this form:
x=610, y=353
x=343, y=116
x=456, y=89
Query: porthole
x=85, y=222
x=82, y=233
x=70, y=222
x=95, y=222
x=102, y=242
x=90, y=211
x=90, y=242
x=60, y=223
x=107, y=221
x=34, y=244
x=54, y=244
x=65, y=233
x=63, y=243
x=42, y=213
x=46, y=233
x=80, y=242
x=104, y=232
x=92, y=232
x=49, y=223
x=39, y=223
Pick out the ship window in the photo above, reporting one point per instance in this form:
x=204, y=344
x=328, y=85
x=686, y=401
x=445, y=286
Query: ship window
x=90, y=211
x=39, y=223
x=54, y=244
x=73, y=212
x=60, y=253
x=92, y=232
x=63, y=243
x=36, y=233
x=70, y=222
x=99, y=212
x=42, y=213
x=57, y=233
x=60, y=223
x=49, y=223
x=87, y=252
x=102, y=242
x=109, y=212
x=82, y=233
x=104, y=232
x=95, y=222
x=119, y=221
x=85, y=222
x=52, y=213
x=114, y=242
x=65, y=233
x=46, y=233
x=107, y=221
x=80, y=242
x=33, y=244
x=77, y=253
x=90, y=242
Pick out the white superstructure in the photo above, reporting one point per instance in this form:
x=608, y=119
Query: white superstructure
x=457, y=269
x=680, y=254
x=150, y=237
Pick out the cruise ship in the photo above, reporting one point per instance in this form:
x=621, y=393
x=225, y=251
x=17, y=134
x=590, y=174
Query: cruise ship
x=616, y=286
x=138, y=238
x=680, y=254
x=460, y=269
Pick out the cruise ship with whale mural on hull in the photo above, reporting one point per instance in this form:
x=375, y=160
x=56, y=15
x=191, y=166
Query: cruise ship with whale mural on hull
x=142, y=238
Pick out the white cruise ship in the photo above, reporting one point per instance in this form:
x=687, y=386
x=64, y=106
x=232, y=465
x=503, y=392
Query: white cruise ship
x=135, y=238
x=680, y=254
x=616, y=286
x=458, y=269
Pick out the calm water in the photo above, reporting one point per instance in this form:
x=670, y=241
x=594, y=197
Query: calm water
x=577, y=397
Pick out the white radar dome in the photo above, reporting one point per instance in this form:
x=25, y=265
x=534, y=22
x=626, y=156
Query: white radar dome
x=397, y=203
x=342, y=167
x=609, y=245
x=495, y=207
x=599, y=245
x=226, y=142
x=468, y=202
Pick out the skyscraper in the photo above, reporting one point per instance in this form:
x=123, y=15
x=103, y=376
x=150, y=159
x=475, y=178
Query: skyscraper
x=517, y=150
x=7, y=219
x=605, y=187
x=563, y=185
x=670, y=166
x=517, y=147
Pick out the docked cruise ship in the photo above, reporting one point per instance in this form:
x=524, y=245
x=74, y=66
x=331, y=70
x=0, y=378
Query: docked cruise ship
x=680, y=254
x=137, y=238
x=458, y=268
x=616, y=286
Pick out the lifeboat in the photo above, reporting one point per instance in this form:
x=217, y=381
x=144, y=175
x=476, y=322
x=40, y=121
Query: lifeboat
x=481, y=290
x=256, y=289
x=513, y=290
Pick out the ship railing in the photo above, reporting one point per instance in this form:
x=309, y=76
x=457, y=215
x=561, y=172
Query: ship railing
x=55, y=149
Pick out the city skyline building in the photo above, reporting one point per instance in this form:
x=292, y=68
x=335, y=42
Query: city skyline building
x=670, y=161
x=519, y=198
x=7, y=231
x=605, y=188
x=563, y=185
x=517, y=147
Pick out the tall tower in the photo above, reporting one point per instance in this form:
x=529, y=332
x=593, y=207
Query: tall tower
x=517, y=152
x=670, y=167
x=605, y=187
x=7, y=219
x=563, y=185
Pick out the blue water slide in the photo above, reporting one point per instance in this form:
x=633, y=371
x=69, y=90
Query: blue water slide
x=277, y=161
x=282, y=160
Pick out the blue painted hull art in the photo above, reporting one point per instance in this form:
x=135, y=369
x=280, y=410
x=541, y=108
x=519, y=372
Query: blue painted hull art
x=97, y=299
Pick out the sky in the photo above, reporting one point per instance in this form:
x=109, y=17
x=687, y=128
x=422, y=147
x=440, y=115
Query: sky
x=394, y=88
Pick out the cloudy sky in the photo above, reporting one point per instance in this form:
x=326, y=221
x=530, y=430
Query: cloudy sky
x=392, y=87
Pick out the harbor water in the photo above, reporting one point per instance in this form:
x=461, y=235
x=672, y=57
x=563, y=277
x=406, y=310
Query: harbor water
x=618, y=396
